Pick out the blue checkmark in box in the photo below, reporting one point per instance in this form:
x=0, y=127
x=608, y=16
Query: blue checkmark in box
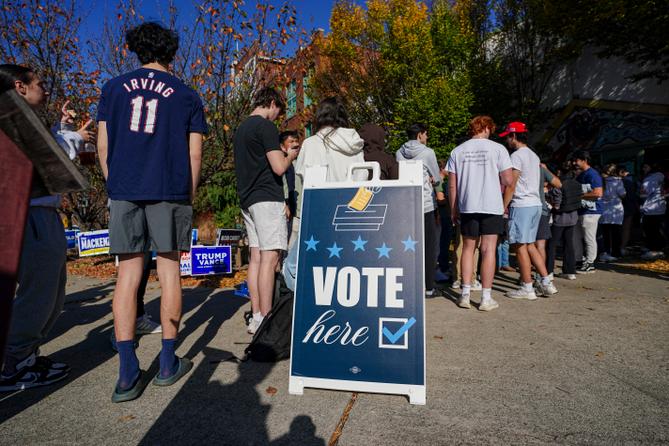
x=401, y=333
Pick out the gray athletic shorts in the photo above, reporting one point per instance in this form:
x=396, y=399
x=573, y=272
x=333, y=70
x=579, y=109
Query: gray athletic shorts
x=162, y=226
x=266, y=225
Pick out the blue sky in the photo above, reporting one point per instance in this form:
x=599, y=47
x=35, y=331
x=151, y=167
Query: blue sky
x=312, y=14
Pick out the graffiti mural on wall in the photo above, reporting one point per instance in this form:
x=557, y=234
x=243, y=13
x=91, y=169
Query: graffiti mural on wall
x=596, y=129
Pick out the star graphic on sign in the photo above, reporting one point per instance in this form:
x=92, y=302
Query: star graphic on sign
x=384, y=251
x=359, y=244
x=409, y=244
x=334, y=250
x=311, y=244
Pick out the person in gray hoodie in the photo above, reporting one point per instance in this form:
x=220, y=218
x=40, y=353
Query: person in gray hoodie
x=415, y=149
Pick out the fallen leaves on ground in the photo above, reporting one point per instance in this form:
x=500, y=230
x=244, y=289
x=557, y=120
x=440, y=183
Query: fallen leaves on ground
x=271, y=390
x=656, y=266
x=99, y=267
x=104, y=267
x=215, y=281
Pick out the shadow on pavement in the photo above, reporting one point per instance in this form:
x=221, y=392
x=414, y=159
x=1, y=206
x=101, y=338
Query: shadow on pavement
x=96, y=349
x=207, y=411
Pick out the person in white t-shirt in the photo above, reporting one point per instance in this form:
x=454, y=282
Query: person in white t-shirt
x=475, y=170
x=524, y=203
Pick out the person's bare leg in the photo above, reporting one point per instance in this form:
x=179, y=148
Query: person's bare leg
x=538, y=260
x=266, y=276
x=457, y=255
x=467, y=259
x=540, y=245
x=252, y=279
x=475, y=260
x=488, y=250
x=124, y=303
x=169, y=275
x=523, y=258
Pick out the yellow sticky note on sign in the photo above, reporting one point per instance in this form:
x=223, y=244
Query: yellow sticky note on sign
x=361, y=199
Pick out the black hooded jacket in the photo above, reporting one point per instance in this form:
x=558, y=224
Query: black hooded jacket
x=374, y=137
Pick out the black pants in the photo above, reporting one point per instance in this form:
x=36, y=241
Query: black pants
x=430, y=248
x=652, y=230
x=445, y=236
x=612, y=236
x=564, y=234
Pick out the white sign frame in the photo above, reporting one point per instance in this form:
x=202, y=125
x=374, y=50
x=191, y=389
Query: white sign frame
x=410, y=174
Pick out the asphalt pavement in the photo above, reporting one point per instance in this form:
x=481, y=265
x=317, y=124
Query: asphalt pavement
x=589, y=365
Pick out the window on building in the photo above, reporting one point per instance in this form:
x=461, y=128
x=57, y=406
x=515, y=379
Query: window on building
x=291, y=99
x=306, y=84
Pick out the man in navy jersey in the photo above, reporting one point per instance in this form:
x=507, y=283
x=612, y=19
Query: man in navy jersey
x=150, y=146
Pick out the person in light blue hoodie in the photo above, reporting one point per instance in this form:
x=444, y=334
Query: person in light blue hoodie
x=415, y=149
x=40, y=294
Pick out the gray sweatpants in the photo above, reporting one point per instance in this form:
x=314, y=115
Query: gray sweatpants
x=40, y=294
x=587, y=224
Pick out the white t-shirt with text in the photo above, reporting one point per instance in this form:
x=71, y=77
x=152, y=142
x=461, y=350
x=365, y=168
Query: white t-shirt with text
x=477, y=164
x=528, y=185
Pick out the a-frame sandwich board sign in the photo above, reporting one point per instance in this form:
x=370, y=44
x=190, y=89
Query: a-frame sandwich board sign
x=359, y=315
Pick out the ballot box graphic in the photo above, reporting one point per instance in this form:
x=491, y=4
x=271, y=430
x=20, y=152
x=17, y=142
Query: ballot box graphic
x=359, y=321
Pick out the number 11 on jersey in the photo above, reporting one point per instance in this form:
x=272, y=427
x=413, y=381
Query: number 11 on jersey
x=136, y=116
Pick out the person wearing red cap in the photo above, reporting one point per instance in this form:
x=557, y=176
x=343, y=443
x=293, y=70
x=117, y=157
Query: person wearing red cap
x=475, y=170
x=524, y=202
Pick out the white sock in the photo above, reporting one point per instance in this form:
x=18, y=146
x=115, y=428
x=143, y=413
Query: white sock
x=528, y=287
x=258, y=317
x=466, y=289
x=486, y=294
x=545, y=280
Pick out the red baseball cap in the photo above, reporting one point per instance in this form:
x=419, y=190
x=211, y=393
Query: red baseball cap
x=514, y=127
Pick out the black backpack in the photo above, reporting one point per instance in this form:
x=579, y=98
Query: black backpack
x=271, y=343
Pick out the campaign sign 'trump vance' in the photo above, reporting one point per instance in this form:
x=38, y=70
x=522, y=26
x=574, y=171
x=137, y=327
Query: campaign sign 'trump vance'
x=359, y=317
x=93, y=243
x=210, y=260
x=71, y=237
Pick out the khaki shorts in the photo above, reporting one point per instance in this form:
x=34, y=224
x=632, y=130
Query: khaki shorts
x=137, y=226
x=266, y=226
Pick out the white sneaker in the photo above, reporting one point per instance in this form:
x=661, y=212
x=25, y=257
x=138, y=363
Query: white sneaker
x=463, y=301
x=456, y=285
x=253, y=326
x=522, y=293
x=567, y=276
x=476, y=286
x=488, y=305
x=547, y=290
x=145, y=325
x=551, y=277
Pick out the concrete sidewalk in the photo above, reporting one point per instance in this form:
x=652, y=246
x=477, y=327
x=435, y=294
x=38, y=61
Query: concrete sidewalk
x=590, y=365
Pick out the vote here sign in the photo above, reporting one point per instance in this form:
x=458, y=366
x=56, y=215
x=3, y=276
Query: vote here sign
x=358, y=314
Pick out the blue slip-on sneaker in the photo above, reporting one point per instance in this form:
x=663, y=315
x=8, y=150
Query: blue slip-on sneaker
x=132, y=393
x=184, y=367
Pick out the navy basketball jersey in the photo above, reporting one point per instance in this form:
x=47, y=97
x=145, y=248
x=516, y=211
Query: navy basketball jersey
x=149, y=115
